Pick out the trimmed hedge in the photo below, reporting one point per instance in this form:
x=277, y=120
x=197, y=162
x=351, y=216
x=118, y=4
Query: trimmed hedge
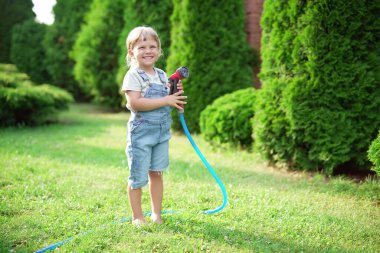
x=27, y=51
x=21, y=102
x=227, y=119
x=59, y=41
x=320, y=73
x=96, y=52
x=374, y=154
x=12, y=12
x=214, y=48
x=271, y=127
x=10, y=76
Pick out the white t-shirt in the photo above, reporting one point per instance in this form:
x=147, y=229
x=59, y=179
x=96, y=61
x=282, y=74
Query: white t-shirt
x=133, y=81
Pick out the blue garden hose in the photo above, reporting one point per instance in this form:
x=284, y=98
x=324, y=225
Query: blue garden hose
x=212, y=211
x=225, y=199
x=58, y=244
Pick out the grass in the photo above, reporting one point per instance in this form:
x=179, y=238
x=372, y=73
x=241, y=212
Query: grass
x=63, y=179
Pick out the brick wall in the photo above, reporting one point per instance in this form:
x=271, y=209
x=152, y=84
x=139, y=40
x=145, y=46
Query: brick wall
x=253, y=10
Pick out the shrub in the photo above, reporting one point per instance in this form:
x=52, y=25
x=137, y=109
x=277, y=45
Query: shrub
x=213, y=47
x=374, y=154
x=96, y=51
x=325, y=76
x=227, y=119
x=11, y=13
x=59, y=41
x=22, y=102
x=10, y=76
x=271, y=126
x=27, y=51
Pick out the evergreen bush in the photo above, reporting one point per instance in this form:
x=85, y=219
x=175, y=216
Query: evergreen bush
x=22, y=102
x=12, y=12
x=227, y=119
x=213, y=47
x=374, y=154
x=271, y=126
x=320, y=72
x=10, y=76
x=96, y=51
x=27, y=51
x=59, y=41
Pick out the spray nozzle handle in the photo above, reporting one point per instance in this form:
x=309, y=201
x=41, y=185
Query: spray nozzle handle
x=173, y=85
x=179, y=74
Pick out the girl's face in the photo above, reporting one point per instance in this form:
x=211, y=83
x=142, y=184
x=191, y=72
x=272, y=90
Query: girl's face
x=145, y=53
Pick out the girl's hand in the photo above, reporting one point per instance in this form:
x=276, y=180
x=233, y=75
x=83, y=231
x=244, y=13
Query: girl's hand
x=176, y=100
x=180, y=86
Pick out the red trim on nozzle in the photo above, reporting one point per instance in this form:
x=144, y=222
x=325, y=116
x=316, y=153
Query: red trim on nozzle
x=180, y=73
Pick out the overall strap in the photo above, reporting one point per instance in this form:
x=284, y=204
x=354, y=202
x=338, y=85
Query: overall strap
x=143, y=75
x=161, y=74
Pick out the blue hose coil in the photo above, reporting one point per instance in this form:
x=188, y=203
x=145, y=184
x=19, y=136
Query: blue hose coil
x=208, y=166
x=225, y=198
x=58, y=244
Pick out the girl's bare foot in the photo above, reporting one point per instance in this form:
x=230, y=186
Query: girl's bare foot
x=139, y=222
x=157, y=219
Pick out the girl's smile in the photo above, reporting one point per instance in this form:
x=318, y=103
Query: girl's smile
x=146, y=53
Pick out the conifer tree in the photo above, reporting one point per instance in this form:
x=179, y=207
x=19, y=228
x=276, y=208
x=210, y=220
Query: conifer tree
x=318, y=109
x=209, y=38
x=27, y=51
x=96, y=51
x=59, y=40
x=12, y=12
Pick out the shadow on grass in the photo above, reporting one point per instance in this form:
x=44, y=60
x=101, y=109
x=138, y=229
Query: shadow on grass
x=67, y=142
x=238, y=177
x=235, y=237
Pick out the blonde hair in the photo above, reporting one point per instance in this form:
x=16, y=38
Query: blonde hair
x=140, y=33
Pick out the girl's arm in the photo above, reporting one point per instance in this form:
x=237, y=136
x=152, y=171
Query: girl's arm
x=139, y=103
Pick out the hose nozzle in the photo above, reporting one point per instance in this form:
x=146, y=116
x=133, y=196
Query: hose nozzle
x=179, y=74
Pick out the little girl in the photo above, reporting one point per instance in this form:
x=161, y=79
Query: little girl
x=148, y=99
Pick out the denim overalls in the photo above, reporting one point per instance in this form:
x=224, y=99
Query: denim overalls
x=148, y=135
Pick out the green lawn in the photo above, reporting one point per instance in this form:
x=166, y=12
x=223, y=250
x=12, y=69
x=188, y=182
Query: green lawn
x=63, y=179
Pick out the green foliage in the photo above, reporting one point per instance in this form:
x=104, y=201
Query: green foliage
x=155, y=14
x=271, y=126
x=96, y=51
x=271, y=129
x=374, y=154
x=10, y=76
x=213, y=47
x=22, y=102
x=321, y=84
x=27, y=51
x=12, y=12
x=59, y=41
x=227, y=119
